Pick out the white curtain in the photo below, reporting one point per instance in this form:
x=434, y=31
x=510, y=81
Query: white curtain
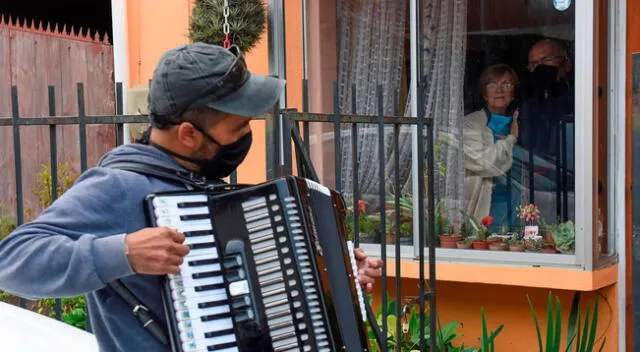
x=373, y=51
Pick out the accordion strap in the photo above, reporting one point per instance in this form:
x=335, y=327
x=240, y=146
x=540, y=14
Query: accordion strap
x=185, y=177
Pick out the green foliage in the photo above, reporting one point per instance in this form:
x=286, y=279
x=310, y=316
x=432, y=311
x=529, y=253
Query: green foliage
x=66, y=178
x=408, y=339
x=576, y=340
x=247, y=22
x=6, y=222
x=74, y=310
x=487, y=341
x=564, y=237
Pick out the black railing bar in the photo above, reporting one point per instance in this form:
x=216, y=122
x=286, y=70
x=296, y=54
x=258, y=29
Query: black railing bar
x=531, y=162
x=82, y=128
x=120, y=137
x=75, y=120
x=287, y=155
x=53, y=150
x=17, y=153
x=270, y=160
x=557, y=173
x=396, y=161
x=309, y=170
x=432, y=234
x=88, y=120
x=15, y=112
x=278, y=141
x=365, y=119
x=305, y=108
x=565, y=171
x=383, y=215
x=337, y=143
x=355, y=171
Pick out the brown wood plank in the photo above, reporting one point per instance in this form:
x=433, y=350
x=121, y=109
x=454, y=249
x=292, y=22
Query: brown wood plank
x=7, y=191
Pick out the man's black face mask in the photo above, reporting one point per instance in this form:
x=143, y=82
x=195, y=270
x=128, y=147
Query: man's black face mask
x=544, y=76
x=228, y=158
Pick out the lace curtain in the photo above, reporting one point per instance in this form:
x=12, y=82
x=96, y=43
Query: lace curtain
x=374, y=51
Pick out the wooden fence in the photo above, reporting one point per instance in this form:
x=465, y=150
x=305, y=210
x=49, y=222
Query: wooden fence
x=33, y=57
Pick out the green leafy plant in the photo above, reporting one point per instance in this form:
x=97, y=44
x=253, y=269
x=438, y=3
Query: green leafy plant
x=247, y=22
x=466, y=230
x=367, y=223
x=74, y=310
x=579, y=338
x=408, y=338
x=487, y=341
x=564, y=237
x=6, y=222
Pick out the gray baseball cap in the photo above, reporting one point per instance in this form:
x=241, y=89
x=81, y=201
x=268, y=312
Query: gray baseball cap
x=199, y=75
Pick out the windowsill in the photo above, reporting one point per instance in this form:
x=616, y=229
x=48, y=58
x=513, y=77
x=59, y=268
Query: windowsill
x=554, y=278
x=554, y=271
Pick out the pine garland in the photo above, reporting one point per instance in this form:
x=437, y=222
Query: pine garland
x=247, y=21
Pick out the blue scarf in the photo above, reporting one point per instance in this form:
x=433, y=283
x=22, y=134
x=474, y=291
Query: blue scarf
x=499, y=124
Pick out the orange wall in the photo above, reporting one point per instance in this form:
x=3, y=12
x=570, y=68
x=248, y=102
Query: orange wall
x=461, y=302
x=156, y=26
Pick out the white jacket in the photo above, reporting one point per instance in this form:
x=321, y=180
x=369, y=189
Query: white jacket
x=483, y=160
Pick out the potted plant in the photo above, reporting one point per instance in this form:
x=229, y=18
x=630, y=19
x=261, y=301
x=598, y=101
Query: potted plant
x=533, y=243
x=498, y=246
x=444, y=227
x=515, y=243
x=368, y=224
x=564, y=237
x=482, y=233
x=466, y=231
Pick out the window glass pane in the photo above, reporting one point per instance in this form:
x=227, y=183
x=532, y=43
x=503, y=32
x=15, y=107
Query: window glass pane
x=517, y=134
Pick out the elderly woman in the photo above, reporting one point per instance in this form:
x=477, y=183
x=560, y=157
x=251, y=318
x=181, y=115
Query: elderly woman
x=489, y=136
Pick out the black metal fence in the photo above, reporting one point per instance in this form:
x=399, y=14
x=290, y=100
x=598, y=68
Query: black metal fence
x=280, y=161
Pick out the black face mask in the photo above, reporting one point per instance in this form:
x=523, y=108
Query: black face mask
x=543, y=78
x=228, y=158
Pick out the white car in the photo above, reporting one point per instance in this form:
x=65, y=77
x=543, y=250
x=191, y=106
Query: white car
x=23, y=330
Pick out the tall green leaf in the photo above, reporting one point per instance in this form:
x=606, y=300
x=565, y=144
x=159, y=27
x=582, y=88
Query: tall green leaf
x=573, y=316
x=535, y=320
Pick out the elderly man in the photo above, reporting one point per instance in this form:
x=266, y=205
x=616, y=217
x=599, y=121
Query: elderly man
x=202, y=99
x=547, y=100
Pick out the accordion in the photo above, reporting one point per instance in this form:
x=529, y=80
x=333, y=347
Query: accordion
x=269, y=269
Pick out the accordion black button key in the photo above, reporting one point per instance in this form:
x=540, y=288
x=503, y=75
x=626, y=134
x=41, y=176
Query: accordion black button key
x=211, y=334
x=202, y=262
x=202, y=245
x=232, y=262
x=191, y=217
x=241, y=302
x=235, y=275
x=209, y=287
x=216, y=316
x=212, y=304
x=192, y=204
x=206, y=274
x=198, y=233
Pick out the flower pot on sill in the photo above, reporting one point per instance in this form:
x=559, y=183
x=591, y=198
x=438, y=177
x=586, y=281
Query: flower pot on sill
x=449, y=241
x=498, y=246
x=480, y=244
x=548, y=250
x=516, y=248
x=463, y=245
x=494, y=240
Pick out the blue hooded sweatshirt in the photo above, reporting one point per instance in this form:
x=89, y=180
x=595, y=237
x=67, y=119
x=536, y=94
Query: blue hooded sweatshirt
x=76, y=246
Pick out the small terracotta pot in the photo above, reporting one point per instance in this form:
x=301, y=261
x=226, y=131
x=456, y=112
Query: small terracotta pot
x=516, y=248
x=449, y=241
x=498, y=246
x=463, y=245
x=480, y=245
x=494, y=240
x=548, y=250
